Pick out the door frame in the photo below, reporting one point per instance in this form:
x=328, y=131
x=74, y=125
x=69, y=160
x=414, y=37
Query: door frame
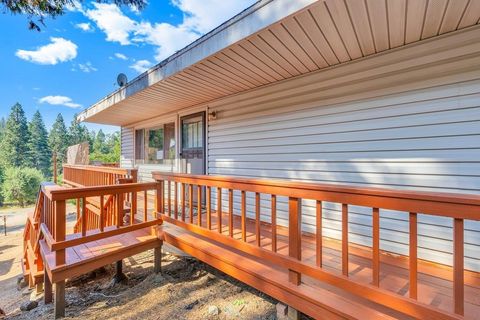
x=204, y=133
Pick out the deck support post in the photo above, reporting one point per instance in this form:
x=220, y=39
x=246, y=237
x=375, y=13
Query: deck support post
x=119, y=275
x=60, y=299
x=157, y=264
x=38, y=288
x=47, y=287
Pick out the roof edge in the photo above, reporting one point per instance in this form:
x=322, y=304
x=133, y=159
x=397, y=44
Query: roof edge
x=248, y=22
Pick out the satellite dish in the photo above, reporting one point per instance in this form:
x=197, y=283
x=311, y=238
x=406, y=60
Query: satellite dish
x=122, y=79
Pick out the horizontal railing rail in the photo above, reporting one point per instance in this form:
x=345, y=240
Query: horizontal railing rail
x=88, y=175
x=178, y=206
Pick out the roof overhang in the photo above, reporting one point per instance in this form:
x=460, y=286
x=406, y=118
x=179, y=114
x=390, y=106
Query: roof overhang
x=274, y=40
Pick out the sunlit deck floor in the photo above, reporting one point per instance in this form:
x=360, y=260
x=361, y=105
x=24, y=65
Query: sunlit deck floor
x=434, y=280
x=89, y=256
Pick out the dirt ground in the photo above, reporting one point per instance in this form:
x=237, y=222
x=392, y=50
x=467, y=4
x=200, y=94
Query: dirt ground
x=186, y=289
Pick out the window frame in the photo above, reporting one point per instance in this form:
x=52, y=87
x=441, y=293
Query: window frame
x=154, y=125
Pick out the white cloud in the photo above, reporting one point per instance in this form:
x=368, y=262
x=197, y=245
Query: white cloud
x=59, y=50
x=112, y=21
x=121, y=56
x=84, y=26
x=141, y=65
x=59, y=101
x=198, y=18
x=87, y=67
x=166, y=37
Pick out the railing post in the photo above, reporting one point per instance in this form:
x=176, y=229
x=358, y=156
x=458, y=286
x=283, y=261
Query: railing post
x=84, y=216
x=159, y=199
x=294, y=236
x=458, y=265
x=318, y=234
x=413, y=262
x=59, y=234
x=209, y=208
x=160, y=202
x=134, y=174
x=190, y=201
x=376, y=247
x=345, y=239
x=60, y=225
x=274, y=222
x=119, y=210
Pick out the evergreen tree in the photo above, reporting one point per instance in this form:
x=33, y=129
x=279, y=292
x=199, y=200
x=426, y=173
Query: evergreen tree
x=77, y=133
x=15, y=141
x=91, y=140
x=99, y=145
x=58, y=139
x=3, y=124
x=41, y=154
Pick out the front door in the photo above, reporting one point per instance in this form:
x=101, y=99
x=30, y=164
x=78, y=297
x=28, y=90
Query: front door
x=192, y=150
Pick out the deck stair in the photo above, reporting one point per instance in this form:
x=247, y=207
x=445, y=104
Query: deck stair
x=32, y=265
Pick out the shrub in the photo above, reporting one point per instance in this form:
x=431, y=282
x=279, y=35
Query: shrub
x=21, y=185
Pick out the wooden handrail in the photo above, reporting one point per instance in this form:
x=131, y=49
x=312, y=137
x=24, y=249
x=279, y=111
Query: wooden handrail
x=461, y=206
x=60, y=193
x=455, y=206
x=53, y=213
x=87, y=175
x=106, y=169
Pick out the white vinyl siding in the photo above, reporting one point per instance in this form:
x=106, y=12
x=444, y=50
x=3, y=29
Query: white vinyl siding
x=127, y=149
x=426, y=139
x=407, y=119
x=145, y=170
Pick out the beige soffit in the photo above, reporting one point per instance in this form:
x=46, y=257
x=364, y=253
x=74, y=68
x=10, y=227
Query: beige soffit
x=276, y=40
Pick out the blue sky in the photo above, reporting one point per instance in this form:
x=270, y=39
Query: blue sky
x=73, y=62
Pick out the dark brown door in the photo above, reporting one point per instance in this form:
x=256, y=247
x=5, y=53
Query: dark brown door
x=192, y=150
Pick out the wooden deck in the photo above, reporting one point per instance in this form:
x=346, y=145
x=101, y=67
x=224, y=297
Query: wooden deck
x=434, y=280
x=402, y=286
x=317, y=275
x=89, y=256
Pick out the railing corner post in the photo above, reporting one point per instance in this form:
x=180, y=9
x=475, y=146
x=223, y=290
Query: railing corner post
x=294, y=236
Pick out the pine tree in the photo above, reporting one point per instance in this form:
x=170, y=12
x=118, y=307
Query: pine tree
x=77, y=133
x=99, y=145
x=3, y=124
x=15, y=141
x=41, y=154
x=58, y=139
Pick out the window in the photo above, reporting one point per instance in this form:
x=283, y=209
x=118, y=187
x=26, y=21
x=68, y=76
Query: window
x=155, y=145
x=192, y=135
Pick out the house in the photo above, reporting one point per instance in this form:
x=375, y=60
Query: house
x=368, y=94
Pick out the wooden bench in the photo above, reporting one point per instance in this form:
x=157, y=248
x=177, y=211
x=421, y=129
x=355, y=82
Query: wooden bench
x=92, y=255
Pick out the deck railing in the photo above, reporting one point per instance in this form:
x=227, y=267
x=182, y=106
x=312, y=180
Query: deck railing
x=31, y=237
x=86, y=175
x=179, y=192
x=53, y=223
